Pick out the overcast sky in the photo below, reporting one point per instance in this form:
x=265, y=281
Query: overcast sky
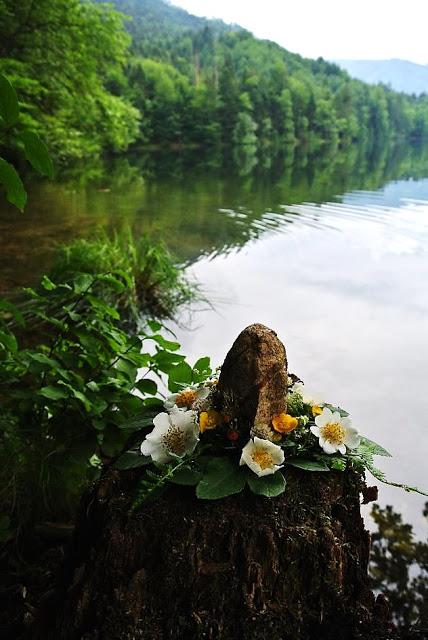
x=333, y=29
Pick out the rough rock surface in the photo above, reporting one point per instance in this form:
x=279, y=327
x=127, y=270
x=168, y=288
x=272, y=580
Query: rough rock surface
x=253, y=381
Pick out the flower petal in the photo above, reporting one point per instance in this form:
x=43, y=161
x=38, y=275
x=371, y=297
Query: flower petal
x=316, y=431
x=328, y=447
x=162, y=423
x=352, y=440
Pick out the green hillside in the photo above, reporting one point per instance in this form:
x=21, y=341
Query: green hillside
x=95, y=79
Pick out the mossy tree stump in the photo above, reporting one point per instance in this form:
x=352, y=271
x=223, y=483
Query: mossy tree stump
x=241, y=568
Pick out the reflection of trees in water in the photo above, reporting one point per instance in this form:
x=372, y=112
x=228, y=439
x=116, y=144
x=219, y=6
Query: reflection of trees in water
x=399, y=568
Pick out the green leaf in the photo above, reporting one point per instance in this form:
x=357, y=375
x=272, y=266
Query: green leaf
x=47, y=284
x=186, y=476
x=154, y=403
x=148, y=387
x=154, y=325
x=8, y=341
x=12, y=310
x=339, y=410
x=307, y=465
x=336, y=463
x=37, y=153
x=201, y=369
x=99, y=304
x=222, y=477
x=368, y=446
x=164, y=360
x=131, y=460
x=9, y=105
x=15, y=191
x=41, y=358
x=203, y=364
x=53, y=393
x=113, y=282
x=379, y=475
x=137, y=422
x=269, y=486
x=179, y=376
x=165, y=344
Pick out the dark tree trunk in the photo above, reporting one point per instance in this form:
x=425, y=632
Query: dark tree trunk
x=241, y=568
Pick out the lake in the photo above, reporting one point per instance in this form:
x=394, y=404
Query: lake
x=331, y=253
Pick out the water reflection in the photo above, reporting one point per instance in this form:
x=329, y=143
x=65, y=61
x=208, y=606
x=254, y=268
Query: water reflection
x=399, y=568
x=208, y=209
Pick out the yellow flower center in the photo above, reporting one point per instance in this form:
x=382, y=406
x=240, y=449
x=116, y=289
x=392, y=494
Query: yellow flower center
x=186, y=398
x=284, y=423
x=316, y=410
x=263, y=458
x=333, y=432
x=174, y=440
x=209, y=420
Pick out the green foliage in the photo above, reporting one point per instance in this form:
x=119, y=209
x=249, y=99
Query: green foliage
x=155, y=285
x=66, y=60
x=222, y=477
x=370, y=447
x=9, y=105
x=15, y=190
x=37, y=153
x=268, y=486
x=183, y=81
x=295, y=404
x=68, y=385
x=259, y=92
x=307, y=465
x=152, y=483
x=11, y=135
x=363, y=458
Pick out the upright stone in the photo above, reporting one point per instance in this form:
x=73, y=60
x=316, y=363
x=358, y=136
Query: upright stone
x=253, y=382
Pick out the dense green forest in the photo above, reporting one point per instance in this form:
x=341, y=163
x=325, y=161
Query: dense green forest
x=95, y=78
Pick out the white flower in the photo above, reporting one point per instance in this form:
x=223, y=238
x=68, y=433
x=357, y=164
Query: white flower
x=262, y=456
x=174, y=433
x=309, y=397
x=186, y=398
x=334, y=432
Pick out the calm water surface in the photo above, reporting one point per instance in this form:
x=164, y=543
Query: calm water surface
x=334, y=258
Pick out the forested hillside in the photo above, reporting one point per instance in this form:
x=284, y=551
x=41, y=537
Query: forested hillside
x=92, y=80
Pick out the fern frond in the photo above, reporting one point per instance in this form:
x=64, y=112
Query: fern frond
x=153, y=482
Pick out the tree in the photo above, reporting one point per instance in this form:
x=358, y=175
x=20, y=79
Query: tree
x=63, y=56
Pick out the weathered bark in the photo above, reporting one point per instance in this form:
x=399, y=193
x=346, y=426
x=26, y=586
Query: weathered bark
x=245, y=567
x=241, y=568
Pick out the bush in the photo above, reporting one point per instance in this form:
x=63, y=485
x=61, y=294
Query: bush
x=156, y=284
x=74, y=400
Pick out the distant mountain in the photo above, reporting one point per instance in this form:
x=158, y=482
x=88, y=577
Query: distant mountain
x=400, y=75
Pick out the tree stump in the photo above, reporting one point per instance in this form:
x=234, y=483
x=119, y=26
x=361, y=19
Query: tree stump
x=241, y=568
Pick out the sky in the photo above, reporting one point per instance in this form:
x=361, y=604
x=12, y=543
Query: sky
x=333, y=29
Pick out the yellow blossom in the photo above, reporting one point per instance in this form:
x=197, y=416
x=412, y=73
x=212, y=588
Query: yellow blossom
x=284, y=423
x=316, y=410
x=209, y=420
